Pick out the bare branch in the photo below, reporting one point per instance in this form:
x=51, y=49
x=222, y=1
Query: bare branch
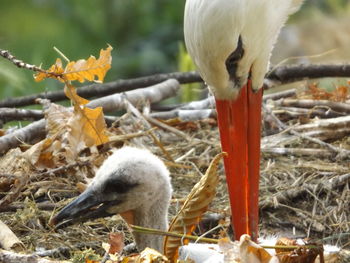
x=279, y=75
x=286, y=74
x=12, y=257
x=101, y=90
x=36, y=130
x=153, y=94
x=19, y=63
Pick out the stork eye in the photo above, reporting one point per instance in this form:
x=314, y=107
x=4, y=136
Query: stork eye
x=117, y=186
x=233, y=59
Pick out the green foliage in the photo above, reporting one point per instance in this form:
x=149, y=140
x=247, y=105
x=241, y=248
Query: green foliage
x=144, y=34
x=189, y=92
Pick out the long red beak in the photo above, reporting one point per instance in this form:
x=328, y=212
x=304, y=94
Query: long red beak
x=239, y=125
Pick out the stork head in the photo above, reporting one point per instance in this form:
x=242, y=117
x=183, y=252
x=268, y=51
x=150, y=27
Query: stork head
x=130, y=179
x=231, y=41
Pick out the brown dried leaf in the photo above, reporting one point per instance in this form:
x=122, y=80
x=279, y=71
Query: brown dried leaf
x=90, y=121
x=303, y=254
x=116, y=240
x=72, y=94
x=68, y=133
x=194, y=207
x=54, y=71
x=339, y=94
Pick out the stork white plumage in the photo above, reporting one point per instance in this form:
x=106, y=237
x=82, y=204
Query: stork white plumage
x=230, y=42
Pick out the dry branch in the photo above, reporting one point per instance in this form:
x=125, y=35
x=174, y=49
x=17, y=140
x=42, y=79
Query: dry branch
x=280, y=95
x=293, y=112
x=10, y=114
x=315, y=132
x=101, y=90
x=202, y=109
x=152, y=94
x=279, y=75
x=12, y=257
x=27, y=134
x=308, y=104
x=41, y=206
x=317, y=153
x=290, y=194
x=185, y=115
x=285, y=74
x=36, y=130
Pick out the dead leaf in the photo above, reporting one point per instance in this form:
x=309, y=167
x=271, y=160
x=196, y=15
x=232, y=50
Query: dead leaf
x=252, y=252
x=72, y=94
x=149, y=255
x=192, y=210
x=302, y=254
x=116, y=240
x=339, y=94
x=91, y=69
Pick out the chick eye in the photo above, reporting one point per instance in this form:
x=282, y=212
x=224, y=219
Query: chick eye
x=118, y=186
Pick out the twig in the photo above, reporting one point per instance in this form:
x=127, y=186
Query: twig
x=167, y=127
x=41, y=206
x=320, y=153
x=293, y=112
x=19, y=184
x=284, y=196
x=147, y=124
x=12, y=257
x=19, y=63
x=336, y=106
x=152, y=231
x=280, y=95
x=185, y=115
x=342, y=153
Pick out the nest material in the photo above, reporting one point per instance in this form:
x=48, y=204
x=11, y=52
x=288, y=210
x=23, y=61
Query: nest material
x=305, y=196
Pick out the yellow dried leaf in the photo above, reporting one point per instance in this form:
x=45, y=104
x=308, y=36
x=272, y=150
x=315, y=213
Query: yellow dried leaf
x=81, y=70
x=72, y=94
x=194, y=207
x=55, y=71
x=252, y=252
x=94, y=126
x=68, y=133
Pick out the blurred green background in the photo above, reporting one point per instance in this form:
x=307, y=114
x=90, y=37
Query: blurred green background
x=146, y=36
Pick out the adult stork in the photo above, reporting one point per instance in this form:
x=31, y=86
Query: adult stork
x=230, y=41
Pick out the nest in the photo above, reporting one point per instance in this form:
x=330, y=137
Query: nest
x=301, y=195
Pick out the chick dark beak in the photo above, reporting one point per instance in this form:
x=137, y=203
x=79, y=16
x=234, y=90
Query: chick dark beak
x=86, y=206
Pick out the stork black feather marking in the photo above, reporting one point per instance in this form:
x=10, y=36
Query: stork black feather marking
x=233, y=60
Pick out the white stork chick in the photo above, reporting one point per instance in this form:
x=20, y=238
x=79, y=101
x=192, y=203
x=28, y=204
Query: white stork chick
x=130, y=180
